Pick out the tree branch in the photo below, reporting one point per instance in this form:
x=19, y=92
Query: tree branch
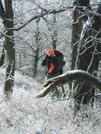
x=41, y=15
x=67, y=77
x=45, y=12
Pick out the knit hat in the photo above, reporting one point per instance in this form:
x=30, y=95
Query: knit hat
x=50, y=52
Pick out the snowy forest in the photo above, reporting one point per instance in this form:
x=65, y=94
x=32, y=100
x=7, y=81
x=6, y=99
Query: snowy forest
x=28, y=28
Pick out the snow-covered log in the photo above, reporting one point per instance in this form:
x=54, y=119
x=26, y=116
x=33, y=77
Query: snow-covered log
x=67, y=77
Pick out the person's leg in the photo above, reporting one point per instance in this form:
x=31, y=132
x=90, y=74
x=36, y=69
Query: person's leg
x=55, y=92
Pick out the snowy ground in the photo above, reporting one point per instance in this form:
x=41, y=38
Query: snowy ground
x=24, y=114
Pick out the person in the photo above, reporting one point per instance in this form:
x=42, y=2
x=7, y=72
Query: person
x=61, y=61
x=51, y=62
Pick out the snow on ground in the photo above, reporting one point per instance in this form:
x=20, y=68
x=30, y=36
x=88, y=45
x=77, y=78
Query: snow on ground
x=24, y=114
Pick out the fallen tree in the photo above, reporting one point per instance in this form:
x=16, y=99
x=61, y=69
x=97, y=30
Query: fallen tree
x=67, y=77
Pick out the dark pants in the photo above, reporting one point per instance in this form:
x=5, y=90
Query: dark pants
x=60, y=72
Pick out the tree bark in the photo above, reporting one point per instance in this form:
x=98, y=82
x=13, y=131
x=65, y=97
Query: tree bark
x=87, y=55
x=83, y=2
x=2, y=12
x=76, y=31
x=2, y=56
x=9, y=83
x=36, y=52
x=54, y=34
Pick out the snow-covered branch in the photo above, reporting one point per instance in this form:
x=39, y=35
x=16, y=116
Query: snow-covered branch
x=41, y=15
x=67, y=77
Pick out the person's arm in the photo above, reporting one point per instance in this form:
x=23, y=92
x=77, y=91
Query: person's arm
x=44, y=63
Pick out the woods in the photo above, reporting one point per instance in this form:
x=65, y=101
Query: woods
x=28, y=35
x=28, y=101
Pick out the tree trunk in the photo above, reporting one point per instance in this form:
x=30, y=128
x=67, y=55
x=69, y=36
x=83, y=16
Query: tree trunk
x=54, y=34
x=83, y=2
x=36, y=60
x=36, y=52
x=76, y=31
x=9, y=83
x=2, y=12
x=2, y=55
x=88, y=60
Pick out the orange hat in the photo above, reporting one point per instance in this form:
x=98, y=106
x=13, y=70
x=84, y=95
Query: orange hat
x=50, y=52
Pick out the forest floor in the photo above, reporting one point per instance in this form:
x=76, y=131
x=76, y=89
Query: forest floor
x=23, y=114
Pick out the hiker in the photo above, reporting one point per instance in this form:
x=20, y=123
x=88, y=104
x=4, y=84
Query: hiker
x=61, y=61
x=52, y=64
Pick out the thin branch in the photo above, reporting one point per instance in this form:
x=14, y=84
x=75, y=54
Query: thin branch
x=92, y=57
x=91, y=40
x=41, y=15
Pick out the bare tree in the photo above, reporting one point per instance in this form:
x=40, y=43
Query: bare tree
x=87, y=51
x=36, y=52
x=9, y=47
x=7, y=16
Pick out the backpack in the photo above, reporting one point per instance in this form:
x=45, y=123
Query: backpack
x=60, y=57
